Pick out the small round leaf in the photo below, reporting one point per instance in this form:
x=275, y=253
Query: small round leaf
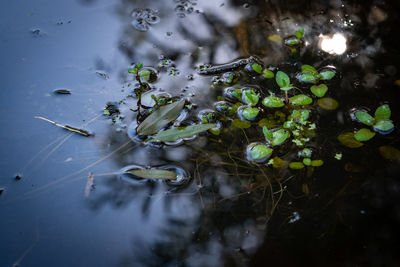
x=259, y=152
x=319, y=90
x=300, y=100
x=364, y=135
x=328, y=103
x=282, y=79
x=327, y=75
x=348, y=140
x=273, y=102
x=296, y=165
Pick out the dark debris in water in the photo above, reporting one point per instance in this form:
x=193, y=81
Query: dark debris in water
x=61, y=92
x=143, y=18
x=18, y=176
x=1, y=190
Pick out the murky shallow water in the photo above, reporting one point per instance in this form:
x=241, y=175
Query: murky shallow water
x=349, y=218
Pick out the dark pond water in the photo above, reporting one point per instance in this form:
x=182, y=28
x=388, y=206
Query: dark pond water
x=228, y=212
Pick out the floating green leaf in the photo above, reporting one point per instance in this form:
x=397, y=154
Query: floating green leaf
x=241, y=124
x=309, y=69
x=300, y=100
x=364, y=117
x=319, y=90
x=317, y=163
x=382, y=113
x=259, y=152
x=250, y=113
x=327, y=75
x=307, y=77
x=268, y=74
x=145, y=74
x=250, y=97
x=282, y=79
x=296, y=165
x=279, y=136
x=307, y=161
x=299, y=33
x=273, y=102
x=153, y=174
x=364, y=134
x=389, y=152
x=177, y=133
x=384, y=125
x=338, y=156
x=160, y=118
x=306, y=152
x=291, y=41
x=267, y=133
x=257, y=68
x=328, y=103
x=348, y=140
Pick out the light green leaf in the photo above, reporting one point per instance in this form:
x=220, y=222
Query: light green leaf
x=153, y=174
x=250, y=113
x=384, y=125
x=326, y=75
x=307, y=77
x=282, y=79
x=364, y=117
x=328, y=103
x=291, y=41
x=382, y=113
x=296, y=165
x=319, y=90
x=300, y=100
x=307, y=161
x=317, y=163
x=299, y=33
x=241, y=124
x=267, y=133
x=306, y=152
x=160, y=118
x=348, y=140
x=259, y=152
x=257, y=68
x=250, y=97
x=273, y=102
x=279, y=136
x=145, y=74
x=268, y=74
x=309, y=69
x=364, y=134
x=177, y=133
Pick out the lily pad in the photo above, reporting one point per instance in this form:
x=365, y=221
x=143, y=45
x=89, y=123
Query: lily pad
x=273, y=102
x=282, y=79
x=296, y=165
x=160, y=118
x=300, y=100
x=259, y=152
x=364, y=134
x=382, y=113
x=177, y=133
x=153, y=174
x=384, y=125
x=389, y=152
x=241, y=124
x=348, y=140
x=328, y=103
x=327, y=75
x=364, y=117
x=319, y=90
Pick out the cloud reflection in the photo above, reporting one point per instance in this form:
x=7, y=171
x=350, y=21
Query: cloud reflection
x=333, y=44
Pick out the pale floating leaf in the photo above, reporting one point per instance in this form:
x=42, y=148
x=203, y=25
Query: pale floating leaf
x=268, y=74
x=260, y=152
x=384, y=125
x=177, y=133
x=241, y=124
x=153, y=174
x=328, y=103
x=327, y=75
x=364, y=134
x=309, y=69
x=317, y=163
x=160, y=118
x=348, y=140
x=279, y=136
x=300, y=100
x=257, y=68
x=307, y=77
x=296, y=165
x=250, y=113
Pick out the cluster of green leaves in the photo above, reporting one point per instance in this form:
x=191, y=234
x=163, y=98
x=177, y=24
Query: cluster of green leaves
x=381, y=122
x=140, y=72
x=310, y=75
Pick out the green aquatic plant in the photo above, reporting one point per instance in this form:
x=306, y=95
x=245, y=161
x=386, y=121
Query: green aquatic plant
x=283, y=81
